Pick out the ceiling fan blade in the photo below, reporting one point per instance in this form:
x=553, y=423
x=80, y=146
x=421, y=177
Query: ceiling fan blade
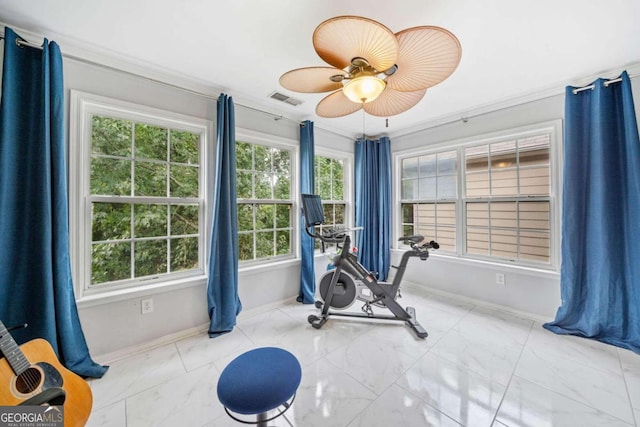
x=428, y=55
x=392, y=102
x=339, y=40
x=336, y=104
x=311, y=79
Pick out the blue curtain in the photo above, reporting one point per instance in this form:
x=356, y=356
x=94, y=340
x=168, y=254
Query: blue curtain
x=373, y=204
x=600, y=273
x=36, y=286
x=307, y=273
x=222, y=288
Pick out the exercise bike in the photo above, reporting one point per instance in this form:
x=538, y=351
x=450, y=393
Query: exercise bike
x=350, y=281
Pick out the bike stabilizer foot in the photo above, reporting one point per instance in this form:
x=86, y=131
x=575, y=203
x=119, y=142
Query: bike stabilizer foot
x=317, y=321
x=414, y=325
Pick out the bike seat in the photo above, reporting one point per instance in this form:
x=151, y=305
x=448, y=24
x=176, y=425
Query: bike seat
x=415, y=238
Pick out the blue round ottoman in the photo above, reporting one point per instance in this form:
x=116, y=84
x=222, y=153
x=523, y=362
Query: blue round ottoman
x=258, y=381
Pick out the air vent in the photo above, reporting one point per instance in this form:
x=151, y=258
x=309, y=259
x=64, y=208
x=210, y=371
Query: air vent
x=285, y=98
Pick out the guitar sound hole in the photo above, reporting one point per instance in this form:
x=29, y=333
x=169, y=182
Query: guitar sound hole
x=28, y=381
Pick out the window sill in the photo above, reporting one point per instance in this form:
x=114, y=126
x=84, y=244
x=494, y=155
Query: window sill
x=274, y=265
x=549, y=273
x=107, y=297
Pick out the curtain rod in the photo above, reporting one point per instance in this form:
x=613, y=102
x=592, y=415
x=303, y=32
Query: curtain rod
x=20, y=42
x=606, y=84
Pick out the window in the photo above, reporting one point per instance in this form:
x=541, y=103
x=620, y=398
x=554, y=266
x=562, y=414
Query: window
x=507, y=201
x=429, y=194
x=330, y=185
x=265, y=205
x=491, y=199
x=140, y=194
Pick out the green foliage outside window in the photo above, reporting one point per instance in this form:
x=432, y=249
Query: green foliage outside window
x=264, y=201
x=329, y=178
x=329, y=184
x=144, y=189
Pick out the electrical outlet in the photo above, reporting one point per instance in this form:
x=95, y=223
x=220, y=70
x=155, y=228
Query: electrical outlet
x=500, y=280
x=146, y=306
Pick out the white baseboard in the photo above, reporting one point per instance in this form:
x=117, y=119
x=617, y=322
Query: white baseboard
x=475, y=301
x=246, y=314
x=108, y=358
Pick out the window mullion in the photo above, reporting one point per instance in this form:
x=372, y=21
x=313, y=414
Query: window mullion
x=461, y=208
x=132, y=244
x=133, y=159
x=168, y=165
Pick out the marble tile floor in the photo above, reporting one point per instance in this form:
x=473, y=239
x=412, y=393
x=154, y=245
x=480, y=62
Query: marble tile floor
x=478, y=367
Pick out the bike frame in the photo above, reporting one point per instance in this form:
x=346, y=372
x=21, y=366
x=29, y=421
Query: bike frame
x=382, y=291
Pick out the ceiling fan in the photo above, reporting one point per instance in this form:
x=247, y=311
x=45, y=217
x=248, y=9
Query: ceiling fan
x=373, y=68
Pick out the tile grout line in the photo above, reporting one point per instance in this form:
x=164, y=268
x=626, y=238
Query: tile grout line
x=626, y=387
x=419, y=397
x=515, y=367
x=580, y=402
x=436, y=355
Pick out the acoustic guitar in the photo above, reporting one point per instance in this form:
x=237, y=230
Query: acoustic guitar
x=32, y=368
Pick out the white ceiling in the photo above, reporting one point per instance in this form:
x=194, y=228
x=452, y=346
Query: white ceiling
x=510, y=49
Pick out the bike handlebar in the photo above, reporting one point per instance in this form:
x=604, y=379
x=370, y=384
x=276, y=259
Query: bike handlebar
x=340, y=236
x=432, y=244
x=415, y=239
x=331, y=237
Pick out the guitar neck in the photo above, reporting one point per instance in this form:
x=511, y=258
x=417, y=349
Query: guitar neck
x=12, y=352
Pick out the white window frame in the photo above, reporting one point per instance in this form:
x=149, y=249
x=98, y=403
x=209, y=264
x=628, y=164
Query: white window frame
x=259, y=138
x=347, y=161
x=554, y=129
x=82, y=106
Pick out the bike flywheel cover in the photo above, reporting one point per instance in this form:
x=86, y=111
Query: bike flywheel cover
x=345, y=292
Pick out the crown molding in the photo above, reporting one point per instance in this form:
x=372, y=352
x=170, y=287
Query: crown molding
x=75, y=50
x=556, y=89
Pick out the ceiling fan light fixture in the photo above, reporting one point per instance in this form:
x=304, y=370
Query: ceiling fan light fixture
x=363, y=89
x=374, y=69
